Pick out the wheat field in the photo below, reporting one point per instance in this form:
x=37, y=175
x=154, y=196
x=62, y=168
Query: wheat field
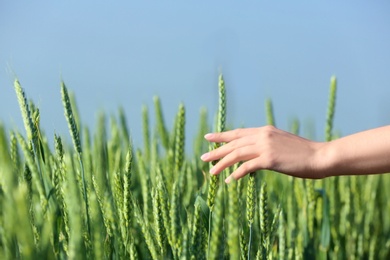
x=100, y=197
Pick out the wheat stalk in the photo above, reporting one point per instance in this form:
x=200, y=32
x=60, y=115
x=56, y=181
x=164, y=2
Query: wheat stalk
x=126, y=194
x=28, y=124
x=269, y=112
x=197, y=234
x=216, y=250
x=281, y=236
x=76, y=143
x=25, y=110
x=160, y=123
x=331, y=109
x=180, y=139
x=159, y=221
x=145, y=132
x=175, y=217
x=264, y=220
x=33, y=168
x=123, y=124
x=213, y=186
x=250, y=207
x=233, y=221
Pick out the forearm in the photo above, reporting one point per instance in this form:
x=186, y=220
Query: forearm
x=366, y=152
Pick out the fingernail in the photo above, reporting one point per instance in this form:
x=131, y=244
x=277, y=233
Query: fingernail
x=206, y=136
x=228, y=180
x=205, y=156
x=212, y=170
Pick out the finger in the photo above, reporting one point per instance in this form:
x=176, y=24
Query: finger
x=228, y=136
x=245, y=168
x=222, y=151
x=237, y=155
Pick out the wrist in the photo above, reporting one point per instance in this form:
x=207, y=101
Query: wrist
x=325, y=160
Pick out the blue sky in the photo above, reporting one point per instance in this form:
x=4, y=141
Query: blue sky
x=124, y=53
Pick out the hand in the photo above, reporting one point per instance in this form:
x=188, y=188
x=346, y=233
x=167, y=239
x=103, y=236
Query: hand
x=265, y=148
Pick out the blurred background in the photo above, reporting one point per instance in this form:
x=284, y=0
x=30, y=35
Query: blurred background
x=122, y=53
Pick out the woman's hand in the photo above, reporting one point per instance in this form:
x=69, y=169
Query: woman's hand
x=265, y=148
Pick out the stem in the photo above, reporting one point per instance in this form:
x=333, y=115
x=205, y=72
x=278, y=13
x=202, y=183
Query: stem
x=250, y=241
x=39, y=168
x=208, y=242
x=85, y=194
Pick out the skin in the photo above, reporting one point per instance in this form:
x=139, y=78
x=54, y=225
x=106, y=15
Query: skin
x=267, y=147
